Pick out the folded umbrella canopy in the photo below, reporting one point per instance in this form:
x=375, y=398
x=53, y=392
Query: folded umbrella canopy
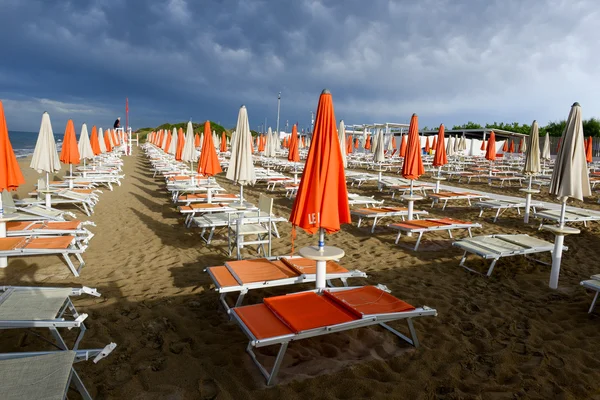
x=394, y=144
x=450, y=146
x=322, y=200
x=223, y=147
x=188, y=154
x=532, y=164
x=293, y=153
x=196, y=140
x=482, y=148
x=342, y=139
x=208, y=165
x=69, y=153
x=11, y=176
x=490, y=151
x=403, y=146
x=85, y=148
x=349, y=146
x=45, y=157
x=356, y=143
x=180, y=144
x=108, y=141
x=101, y=141
x=413, y=165
x=173, y=143
x=588, y=150
x=241, y=168
x=378, y=147
x=569, y=179
x=427, y=147
x=434, y=144
x=368, y=143
x=94, y=142
x=440, y=158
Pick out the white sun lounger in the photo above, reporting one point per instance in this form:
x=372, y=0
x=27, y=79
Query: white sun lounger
x=593, y=284
x=454, y=196
x=571, y=216
x=494, y=247
x=377, y=213
x=502, y=205
x=31, y=212
x=283, y=319
x=45, y=374
x=195, y=209
x=431, y=225
x=365, y=201
x=245, y=275
x=63, y=246
x=43, y=307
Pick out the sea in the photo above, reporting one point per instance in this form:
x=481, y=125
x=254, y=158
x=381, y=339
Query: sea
x=23, y=143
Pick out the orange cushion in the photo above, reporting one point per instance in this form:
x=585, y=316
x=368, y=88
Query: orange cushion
x=60, y=242
x=261, y=321
x=304, y=311
x=260, y=270
x=368, y=300
x=305, y=266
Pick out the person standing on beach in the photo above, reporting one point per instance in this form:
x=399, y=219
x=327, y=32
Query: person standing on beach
x=117, y=123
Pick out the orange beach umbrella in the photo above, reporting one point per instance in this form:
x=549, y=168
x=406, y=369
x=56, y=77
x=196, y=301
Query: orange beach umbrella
x=11, y=176
x=588, y=150
x=403, y=147
x=490, y=151
x=208, y=164
x=434, y=145
x=427, y=148
x=94, y=141
x=368, y=143
x=322, y=199
x=223, y=148
x=196, y=140
x=70, y=151
x=293, y=153
x=482, y=145
x=413, y=165
x=511, y=149
x=441, y=158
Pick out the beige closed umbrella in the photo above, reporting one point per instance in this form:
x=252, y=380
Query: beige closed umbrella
x=85, y=147
x=342, y=139
x=45, y=157
x=450, y=146
x=378, y=153
x=546, y=151
x=569, y=179
x=532, y=164
x=241, y=168
x=188, y=154
x=173, y=145
x=101, y=141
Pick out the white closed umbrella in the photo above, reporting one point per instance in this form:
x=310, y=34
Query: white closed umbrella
x=456, y=144
x=546, y=151
x=216, y=141
x=524, y=145
x=532, y=164
x=188, y=154
x=101, y=141
x=378, y=153
x=241, y=168
x=569, y=179
x=463, y=143
x=45, y=157
x=342, y=140
x=173, y=145
x=450, y=146
x=85, y=147
x=270, y=144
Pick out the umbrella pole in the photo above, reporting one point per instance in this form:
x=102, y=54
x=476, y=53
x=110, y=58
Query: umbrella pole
x=437, y=181
x=48, y=200
x=3, y=260
x=70, y=176
x=559, y=237
x=528, y=193
x=84, y=171
x=241, y=194
x=192, y=172
x=321, y=264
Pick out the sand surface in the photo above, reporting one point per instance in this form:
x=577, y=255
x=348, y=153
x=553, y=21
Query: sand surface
x=505, y=337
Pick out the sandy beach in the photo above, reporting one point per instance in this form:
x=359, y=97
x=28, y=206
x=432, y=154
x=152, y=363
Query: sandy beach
x=504, y=337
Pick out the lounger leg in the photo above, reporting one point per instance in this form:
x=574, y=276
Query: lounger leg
x=70, y=264
x=273, y=375
x=450, y=234
x=445, y=202
x=413, y=335
x=76, y=380
x=398, y=237
x=470, y=234
x=274, y=225
x=374, y=223
x=59, y=340
x=497, y=215
x=481, y=213
x=418, y=241
x=359, y=222
x=594, y=302
x=491, y=269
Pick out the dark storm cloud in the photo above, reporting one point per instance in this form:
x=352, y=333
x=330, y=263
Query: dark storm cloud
x=449, y=61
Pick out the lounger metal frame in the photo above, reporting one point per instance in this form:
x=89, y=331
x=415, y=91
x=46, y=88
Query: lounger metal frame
x=593, y=284
x=502, y=206
x=80, y=355
x=436, y=198
x=367, y=320
x=52, y=324
x=421, y=231
x=379, y=215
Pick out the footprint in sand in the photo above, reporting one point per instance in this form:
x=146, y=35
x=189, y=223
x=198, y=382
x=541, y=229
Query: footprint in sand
x=208, y=389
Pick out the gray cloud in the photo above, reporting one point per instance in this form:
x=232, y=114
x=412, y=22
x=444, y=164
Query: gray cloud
x=449, y=61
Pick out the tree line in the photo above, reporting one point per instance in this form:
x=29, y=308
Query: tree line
x=591, y=127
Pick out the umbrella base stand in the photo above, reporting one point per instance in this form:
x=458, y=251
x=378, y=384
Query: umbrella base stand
x=321, y=256
x=437, y=180
x=528, y=192
x=559, y=237
x=411, y=203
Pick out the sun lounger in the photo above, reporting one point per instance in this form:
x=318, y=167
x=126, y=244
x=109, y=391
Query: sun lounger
x=188, y=199
x=502, y=205
x=63, y=246
x=245, y=275
x=45, y=374
x=454, y=196
x=506, y=179
x=31, y=212
x=431, y=225
x=494, y=247
x=592, y=284
x=571, y=216
x=43, y=307
x=282, y=319
x=196, y=209
x=365, y=201
x=50, y=228
x=378, y=213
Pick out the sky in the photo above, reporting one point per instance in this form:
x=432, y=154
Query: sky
x=449, y=61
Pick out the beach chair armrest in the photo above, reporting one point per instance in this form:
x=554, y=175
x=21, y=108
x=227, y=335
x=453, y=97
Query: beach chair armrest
x=105, y=352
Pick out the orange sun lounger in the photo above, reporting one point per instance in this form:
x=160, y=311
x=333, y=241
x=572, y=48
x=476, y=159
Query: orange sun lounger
x=64, y=246
x=245, y=275
x=49, y=228
x=431, y=225
x=382, y=212
x=282, y=319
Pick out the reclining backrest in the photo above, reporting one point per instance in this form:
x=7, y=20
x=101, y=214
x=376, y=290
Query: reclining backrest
x=41, y=184
x=265, y=204
x=7, y=201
